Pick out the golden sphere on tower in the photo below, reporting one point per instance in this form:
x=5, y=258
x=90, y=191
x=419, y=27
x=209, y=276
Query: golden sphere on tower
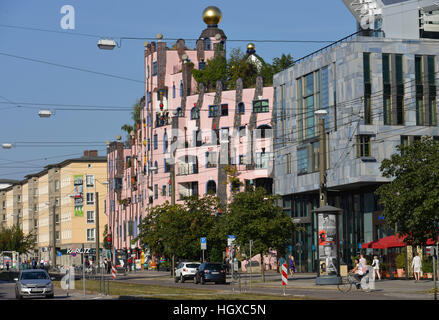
x=212, y=15
x=251, y=46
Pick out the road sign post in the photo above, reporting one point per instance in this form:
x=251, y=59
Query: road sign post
x=251, y=269
x=203, y=245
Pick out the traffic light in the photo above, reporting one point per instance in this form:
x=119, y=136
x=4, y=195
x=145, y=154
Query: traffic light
x=109, y=241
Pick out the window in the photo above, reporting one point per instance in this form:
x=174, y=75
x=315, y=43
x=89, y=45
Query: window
x=195, y=113
x=35, y=207
x=288, y=163
x=18, y=198
x=163, y=190
x=425, y=91
x=154, y=68
x=302, y=161
x=181, y=88
x=211, y=159
x=364, y=146
x=262, y=159
x=308, y=158
x=166, y=166
x=56, y=185
x=57, y=235
x=263, y=131
x=57, y=202
x=90, y=217
x=242, y=131
x=156, y=191
x=165, y=142
x=367, y=89
x=173, y=90
x=91, y=234
x=224, y=110
x=156, y=165
x=393, y=89
x=242, y=159
x=241, y=108
x=156, y=145
x=207, y=44
x=260, y=106
x=90, y=180
x=90, y=198
x=312, y=94
x=214, y=139
x=211, y=187
x=213, y=111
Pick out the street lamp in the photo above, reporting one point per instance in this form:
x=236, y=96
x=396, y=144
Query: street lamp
x=45, y=113
x=106, y=44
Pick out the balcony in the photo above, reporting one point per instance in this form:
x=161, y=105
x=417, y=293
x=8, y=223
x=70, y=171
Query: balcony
x=187, y=168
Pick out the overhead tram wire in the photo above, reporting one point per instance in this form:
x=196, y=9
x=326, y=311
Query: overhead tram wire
x=71, y=67
x=155, y=38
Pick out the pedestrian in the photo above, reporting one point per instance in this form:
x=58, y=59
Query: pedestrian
x=109, y=267
x=281, y=262
x=34, y=263
x=376, y=268
x=363, y=261
x=292, y=265
x=42, y=264
x=416, y=265
x=7, y=265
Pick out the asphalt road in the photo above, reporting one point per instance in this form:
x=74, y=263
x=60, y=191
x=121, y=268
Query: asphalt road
x=7, y=292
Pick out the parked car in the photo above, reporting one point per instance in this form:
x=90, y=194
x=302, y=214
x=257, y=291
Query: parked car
x=210, y=272
x=185, y=271
x=33, y=283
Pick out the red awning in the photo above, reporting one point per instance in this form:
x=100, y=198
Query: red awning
x=394, y=241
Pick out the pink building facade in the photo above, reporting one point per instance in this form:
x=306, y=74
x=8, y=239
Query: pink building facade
x=186, y=137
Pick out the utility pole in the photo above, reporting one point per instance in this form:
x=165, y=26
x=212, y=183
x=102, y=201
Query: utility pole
x=54, y=235
x=322, y=160
x=98, y=256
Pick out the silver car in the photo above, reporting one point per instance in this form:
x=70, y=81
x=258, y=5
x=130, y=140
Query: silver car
x=33, y=282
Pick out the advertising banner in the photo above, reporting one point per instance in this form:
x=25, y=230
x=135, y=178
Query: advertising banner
x=79, y=195
x=328, y=257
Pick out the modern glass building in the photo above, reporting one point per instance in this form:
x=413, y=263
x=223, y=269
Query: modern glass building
x=379, y=92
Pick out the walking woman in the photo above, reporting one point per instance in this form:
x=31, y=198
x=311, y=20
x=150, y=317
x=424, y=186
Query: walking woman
x=376, y=267
x=292, y=265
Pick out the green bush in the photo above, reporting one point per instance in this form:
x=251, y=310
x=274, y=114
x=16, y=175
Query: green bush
x=427, y=265
x=400, y=261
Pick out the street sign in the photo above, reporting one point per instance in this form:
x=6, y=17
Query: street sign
x=230, y=239
x=203, y=243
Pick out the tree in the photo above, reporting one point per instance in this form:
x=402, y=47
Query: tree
x=215, y=69
x=254, y=215
x=13, y=239
x=411, y=200
x=175, y=230
x=135, y=116
x=239, y=67
x=282, y=63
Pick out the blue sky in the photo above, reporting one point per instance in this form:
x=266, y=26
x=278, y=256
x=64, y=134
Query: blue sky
x=33, y=83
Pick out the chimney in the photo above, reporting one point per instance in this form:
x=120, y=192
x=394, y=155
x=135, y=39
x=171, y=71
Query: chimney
x=90, y=153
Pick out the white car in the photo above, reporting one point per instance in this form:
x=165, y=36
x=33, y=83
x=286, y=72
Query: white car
x=185, y=271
